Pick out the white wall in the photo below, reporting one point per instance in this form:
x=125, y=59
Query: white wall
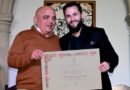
x=110, y=14
x=24, y=11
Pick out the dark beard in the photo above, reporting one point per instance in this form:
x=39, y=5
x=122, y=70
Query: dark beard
x=75, y=29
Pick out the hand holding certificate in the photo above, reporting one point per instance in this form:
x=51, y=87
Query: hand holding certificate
x=71, y=70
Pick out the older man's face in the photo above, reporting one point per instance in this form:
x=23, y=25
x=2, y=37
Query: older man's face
x=46, y=20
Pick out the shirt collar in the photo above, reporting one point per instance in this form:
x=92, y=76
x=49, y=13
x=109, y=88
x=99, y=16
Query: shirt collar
x=37, y=28
x=47, y=35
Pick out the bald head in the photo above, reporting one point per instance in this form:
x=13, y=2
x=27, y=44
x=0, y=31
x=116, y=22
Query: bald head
x=43, y=9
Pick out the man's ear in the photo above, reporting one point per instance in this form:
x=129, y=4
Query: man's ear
x=35, y=20
x=82, y=16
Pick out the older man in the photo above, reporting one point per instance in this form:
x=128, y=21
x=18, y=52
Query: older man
x=26, y=51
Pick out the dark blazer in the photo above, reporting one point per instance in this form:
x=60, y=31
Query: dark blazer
x=93, y=37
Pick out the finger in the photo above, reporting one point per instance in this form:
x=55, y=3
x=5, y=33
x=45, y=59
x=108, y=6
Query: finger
x=104, y=68
x=36, y=54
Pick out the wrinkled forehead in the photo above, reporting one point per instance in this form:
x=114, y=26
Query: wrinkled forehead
x=72, y=8
x=45, y=11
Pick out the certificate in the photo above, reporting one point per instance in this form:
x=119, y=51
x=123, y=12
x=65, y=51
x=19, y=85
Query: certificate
x=71, y=70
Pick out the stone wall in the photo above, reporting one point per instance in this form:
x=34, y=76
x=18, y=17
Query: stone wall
x=6, y=7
